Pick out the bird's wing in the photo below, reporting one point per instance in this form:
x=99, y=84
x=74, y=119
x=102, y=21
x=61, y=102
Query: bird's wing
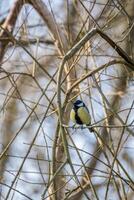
x=84, y=115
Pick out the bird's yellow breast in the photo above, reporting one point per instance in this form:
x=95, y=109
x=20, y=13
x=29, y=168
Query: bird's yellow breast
x=72, y=115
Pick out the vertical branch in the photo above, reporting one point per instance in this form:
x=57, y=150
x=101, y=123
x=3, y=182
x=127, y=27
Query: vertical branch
x=8, y=26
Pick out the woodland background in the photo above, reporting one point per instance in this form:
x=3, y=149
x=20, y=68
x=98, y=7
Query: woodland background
x=53, y=52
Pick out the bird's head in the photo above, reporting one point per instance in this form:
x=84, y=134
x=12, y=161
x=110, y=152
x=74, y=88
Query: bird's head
x=78, y=104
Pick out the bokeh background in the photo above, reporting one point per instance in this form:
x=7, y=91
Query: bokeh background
x=35, y=163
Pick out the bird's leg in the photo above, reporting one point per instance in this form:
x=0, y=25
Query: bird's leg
x=73, y=127
x=82, y=127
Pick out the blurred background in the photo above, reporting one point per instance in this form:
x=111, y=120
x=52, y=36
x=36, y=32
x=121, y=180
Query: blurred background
x=34, y=38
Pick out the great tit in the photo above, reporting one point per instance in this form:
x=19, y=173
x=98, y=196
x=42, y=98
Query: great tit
x=80, y=114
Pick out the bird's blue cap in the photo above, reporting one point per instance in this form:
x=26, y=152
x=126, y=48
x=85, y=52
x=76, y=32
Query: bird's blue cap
x=79, y=103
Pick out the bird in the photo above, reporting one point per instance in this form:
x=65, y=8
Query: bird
x=80, y=114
